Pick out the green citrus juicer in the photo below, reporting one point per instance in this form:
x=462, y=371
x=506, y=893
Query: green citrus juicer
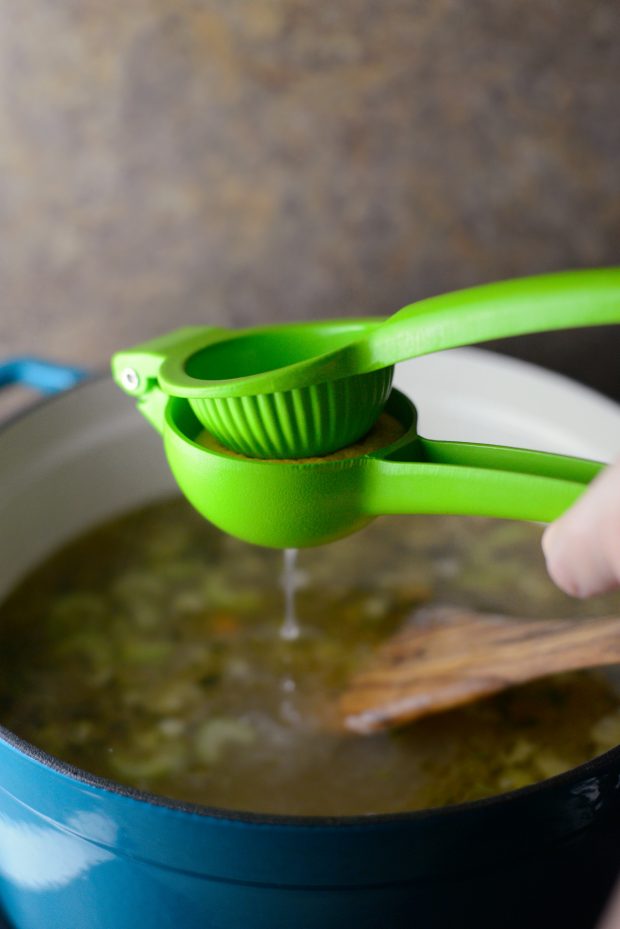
x=244, y=414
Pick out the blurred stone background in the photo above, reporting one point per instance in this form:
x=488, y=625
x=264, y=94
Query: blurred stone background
x=165, y=162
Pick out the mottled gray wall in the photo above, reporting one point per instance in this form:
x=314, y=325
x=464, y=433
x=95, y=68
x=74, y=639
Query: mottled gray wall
x=236, y=161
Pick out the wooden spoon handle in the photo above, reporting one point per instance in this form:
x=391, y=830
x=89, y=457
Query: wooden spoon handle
x=451, y=657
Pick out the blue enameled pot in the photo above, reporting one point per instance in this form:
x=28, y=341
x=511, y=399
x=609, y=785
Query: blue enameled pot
x=77, y=852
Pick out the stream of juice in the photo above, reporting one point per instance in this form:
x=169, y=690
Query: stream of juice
x=291, y=581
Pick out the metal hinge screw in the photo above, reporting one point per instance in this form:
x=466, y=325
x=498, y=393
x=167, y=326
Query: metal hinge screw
x=130, y=379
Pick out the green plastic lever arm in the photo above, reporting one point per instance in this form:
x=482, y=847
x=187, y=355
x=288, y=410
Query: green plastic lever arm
x=478, y=480
x=564, y=300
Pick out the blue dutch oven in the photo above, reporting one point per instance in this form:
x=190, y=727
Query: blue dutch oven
x=78, y=852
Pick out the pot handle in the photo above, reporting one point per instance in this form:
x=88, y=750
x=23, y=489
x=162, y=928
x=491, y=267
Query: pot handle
x=48, y=377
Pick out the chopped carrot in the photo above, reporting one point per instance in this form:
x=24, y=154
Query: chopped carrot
x=224, y=624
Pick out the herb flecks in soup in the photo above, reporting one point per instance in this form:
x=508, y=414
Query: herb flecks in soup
x=149, y=651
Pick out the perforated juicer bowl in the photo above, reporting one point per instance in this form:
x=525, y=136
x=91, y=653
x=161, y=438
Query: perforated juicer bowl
x=300, y=503
x=281, y=504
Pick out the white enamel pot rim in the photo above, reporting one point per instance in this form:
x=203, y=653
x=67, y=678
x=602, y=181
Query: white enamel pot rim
x=87, y=455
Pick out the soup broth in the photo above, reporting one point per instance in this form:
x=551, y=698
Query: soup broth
x=149, y=651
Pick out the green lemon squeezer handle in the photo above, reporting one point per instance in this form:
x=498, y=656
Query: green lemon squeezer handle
x=479, y=480
x=504, y=308
x=300, y=355
x=563, y=300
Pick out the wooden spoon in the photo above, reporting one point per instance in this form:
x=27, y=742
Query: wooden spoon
x=448, y=657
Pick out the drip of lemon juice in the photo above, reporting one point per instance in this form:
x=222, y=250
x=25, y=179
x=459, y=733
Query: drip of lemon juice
x=291, y=581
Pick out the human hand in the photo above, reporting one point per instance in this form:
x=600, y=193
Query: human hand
x=582, y=547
